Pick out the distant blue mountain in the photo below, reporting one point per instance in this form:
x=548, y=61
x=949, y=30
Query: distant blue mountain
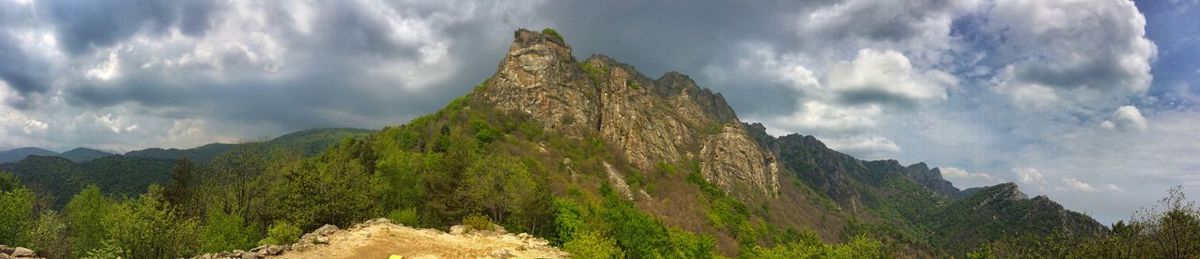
x=20, y=153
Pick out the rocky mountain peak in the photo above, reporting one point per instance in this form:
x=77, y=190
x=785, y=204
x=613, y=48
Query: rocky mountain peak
x=1007, y=191
x=539, y=76
x=932, y=179
x=670, y=119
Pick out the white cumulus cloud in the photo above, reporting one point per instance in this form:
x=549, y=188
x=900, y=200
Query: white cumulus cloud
x=1127, y=118
x=887, y=76
x=1076, y=185
x=1028, y=175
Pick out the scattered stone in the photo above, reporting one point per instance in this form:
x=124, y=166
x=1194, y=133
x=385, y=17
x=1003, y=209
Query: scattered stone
x=250, y=256
x=22, y=252
x=273, y=250
x=458, y=230
x=502, y=254
x=321, y=240
x=325, y=230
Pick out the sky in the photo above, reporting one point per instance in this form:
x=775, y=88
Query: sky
x=1091, y=102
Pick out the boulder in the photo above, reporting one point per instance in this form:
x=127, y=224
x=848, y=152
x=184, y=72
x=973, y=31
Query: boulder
x=23, y=252
x=458, y=230
x=325, y=230
x=273, y=250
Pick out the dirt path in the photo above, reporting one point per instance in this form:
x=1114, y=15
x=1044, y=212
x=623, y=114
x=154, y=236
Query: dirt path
x=382, y=240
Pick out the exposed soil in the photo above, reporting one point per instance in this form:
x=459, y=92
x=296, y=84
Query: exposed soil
x=385, y=240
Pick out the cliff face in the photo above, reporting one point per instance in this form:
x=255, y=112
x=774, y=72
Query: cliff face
x=669, y=119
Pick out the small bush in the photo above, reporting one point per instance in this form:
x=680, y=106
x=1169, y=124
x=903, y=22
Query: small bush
x=478, y=222
x=407, y=217
x=553, y=33
x=281, y=233
x=593, y=245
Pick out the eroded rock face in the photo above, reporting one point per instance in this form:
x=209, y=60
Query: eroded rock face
x=669, y=119
x=732, y=159
x=539, y=76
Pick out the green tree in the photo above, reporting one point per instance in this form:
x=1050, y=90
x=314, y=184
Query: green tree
x=225, y=232
x=857, y=247
x=593, y=245
x=281, y=232
x=8, y=182
x=406, y=217
x=16, y=216
x=178, y=191
x=1174, y=226
x=398, y=179
x=332, y=188
x=229, y=181
x=49, y=235
x=149, y=228
x=86, y=214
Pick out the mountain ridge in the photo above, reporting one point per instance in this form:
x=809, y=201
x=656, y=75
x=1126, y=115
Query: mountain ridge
x=594, y=156
x=17, y=154
x=671, y=120
x=540, y=76
x=82, y=154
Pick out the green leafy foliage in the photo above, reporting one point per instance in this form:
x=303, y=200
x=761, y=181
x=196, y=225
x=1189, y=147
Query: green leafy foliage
x=614, y=227
x=327, y=189
x=407, y=217
x=59, y=178
x=48, y=235
x=225, y=232
x=281, y=232
x=593, y=245
x=857, y=247
x=149, y=227
x=1169, y=230
x=85, y=217
x=553, y=34
x=16, y=216
x=478, y=222
x=179, y=188
x=594, y=72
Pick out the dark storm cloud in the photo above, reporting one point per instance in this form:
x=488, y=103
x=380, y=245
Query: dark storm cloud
x=876, y=96
x=21, y=73
x=893, y=21
x=688, y=37
x=328, y=79
x=17, y=70
x=84, y=24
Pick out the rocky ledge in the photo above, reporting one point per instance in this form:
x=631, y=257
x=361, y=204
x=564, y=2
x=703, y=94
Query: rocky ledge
x=379, y=238
x=16, y=252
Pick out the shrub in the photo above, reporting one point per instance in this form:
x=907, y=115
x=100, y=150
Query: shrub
x=407, y=217
x=593, y=245
x=479, y=222
x=224, y=231
x=554, y=34
x=16, y=215
x=280, y=233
